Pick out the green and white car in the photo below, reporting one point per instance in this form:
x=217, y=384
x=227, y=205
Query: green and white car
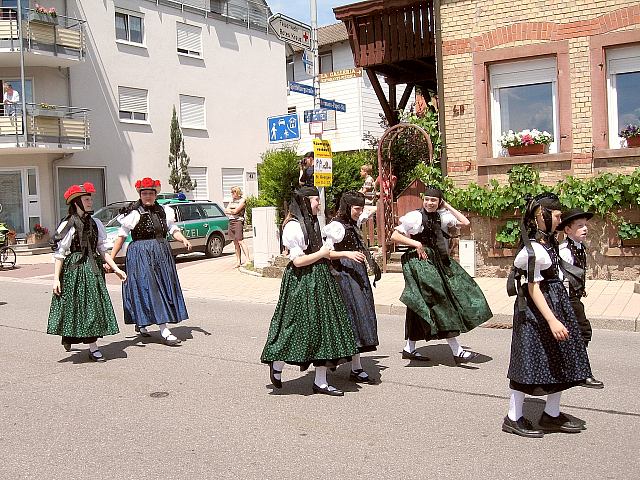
x=203, y=222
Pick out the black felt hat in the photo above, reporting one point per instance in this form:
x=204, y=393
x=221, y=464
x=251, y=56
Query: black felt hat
x=571, y=215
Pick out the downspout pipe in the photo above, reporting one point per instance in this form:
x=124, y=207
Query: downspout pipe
x=440, y=86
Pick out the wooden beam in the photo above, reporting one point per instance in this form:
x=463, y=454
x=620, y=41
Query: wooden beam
x=392, y=97
x=388, y=111
x=405, y=96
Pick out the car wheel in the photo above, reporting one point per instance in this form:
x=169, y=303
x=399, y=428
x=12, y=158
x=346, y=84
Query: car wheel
x=214, y=246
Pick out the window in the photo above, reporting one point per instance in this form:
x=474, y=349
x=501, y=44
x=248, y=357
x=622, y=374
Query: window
x=192, y=112
x=189, y=39
x=231, y=177
x=524, y=96
x=211, y=210
x=133, y=104
x=218, y=6
x=623, y=84
x=291, y=77
x=129, y=27
x=330, y=123
x=188, y=212
x=326, y=62
x=77, y=176
x=16, y=84
x=199, y=176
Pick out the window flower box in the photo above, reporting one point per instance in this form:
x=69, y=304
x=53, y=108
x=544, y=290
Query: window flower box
x=43, y=18
x=633, y=142
x=525, y=142
x=632, y=134
x=45, y=112
x=535, y=149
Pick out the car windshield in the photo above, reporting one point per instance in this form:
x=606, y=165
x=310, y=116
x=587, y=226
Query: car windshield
x=107, y=215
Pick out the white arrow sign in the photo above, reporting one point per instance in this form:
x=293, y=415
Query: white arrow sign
x=290, y=30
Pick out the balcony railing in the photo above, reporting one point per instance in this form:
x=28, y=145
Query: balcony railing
x=47, y=126
x=58, y=35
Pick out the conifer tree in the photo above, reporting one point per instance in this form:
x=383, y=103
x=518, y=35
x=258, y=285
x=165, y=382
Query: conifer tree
x=179, y=177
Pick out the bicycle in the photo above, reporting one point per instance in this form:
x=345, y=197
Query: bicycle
x=7, y=254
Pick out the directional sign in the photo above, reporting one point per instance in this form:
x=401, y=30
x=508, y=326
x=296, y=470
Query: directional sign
x=333, y=105
x=307, y=61
x=315, y=116
x=283, y=128
x=290, y=30
x=301, y=88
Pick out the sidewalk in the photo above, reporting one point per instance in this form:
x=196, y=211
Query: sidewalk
x=609, y=304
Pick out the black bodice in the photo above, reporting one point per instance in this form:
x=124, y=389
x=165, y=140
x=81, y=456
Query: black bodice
x=351, y=241
x=152, y=225
x=432, y=235
x=551, y=274
x=87, y=229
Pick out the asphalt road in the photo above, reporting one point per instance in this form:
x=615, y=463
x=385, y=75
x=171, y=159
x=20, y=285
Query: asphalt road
x=205, y=410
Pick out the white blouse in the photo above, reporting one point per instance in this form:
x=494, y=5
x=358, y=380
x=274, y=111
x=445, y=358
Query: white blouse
x=543, y=261
x=566, y=254
x=293, y=239
x=411, y=223
x=64, y=246
x=334, y=232
x=128, y=222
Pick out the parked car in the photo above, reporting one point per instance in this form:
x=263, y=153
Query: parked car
x=203, y=222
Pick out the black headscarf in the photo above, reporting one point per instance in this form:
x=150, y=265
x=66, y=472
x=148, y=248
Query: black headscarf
x=300, y=209
x=348, y=200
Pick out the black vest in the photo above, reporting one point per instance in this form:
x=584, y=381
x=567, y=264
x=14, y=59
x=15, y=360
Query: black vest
x=152, y=224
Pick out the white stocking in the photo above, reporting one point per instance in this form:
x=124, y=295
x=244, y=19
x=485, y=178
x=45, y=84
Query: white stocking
x=278, y=366
x=321, y=377
x=552, y=406
x=516, y=403
x=165, y=332
x=410, y=346
x=455, y=347
x=355, y=362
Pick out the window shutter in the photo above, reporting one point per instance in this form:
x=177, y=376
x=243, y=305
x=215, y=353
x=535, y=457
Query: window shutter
x=189, y=39
x=199, y=175
x=133, y=100
x=192, y=112
x=231, y=177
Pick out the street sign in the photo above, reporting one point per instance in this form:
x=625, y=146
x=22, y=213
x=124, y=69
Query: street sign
x=315, y=128
x=333, y=105
x=283, y=128
x=301, y=88
x=307, y=61
x=291, y=31
x=315, y=116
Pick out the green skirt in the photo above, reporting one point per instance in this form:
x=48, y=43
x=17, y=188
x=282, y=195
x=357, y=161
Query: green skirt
x=310, y=324
x=84, y=308
x=444, y=297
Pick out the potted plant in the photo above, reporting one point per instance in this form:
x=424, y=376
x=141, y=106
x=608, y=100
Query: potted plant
x=632, y=134
x=44, y=14
x=40, y=234
x=629, y=233
x=526, y=142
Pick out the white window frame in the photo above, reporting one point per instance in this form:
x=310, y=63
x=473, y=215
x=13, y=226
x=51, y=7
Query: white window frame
x=323, y=55
x=186, y=124
x=129, y=13
x=203, y=174
x=188, y=30
x=619, y=60
x=226, y=184
x=146, y=106
x=521, y=73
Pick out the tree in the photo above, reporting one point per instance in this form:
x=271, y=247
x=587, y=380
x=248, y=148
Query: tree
x=179, y=177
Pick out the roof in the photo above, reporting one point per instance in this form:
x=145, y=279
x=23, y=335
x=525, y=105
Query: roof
x=330, y=34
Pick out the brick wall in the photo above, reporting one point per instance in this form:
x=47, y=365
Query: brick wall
x=471, y=27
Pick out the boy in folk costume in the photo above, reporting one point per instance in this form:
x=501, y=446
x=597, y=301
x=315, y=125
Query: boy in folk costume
x=574, y=253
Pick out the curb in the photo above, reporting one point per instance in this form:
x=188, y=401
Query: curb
x=241, y=269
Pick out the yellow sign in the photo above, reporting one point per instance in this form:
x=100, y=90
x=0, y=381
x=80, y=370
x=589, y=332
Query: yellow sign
x=322, y=179
x=341, y=75
x=321, y=148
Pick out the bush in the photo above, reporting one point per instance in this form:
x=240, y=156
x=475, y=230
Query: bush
x=277, y=176
x=346, y=175
x=251, y=203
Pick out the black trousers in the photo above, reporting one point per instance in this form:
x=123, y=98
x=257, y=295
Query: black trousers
x=583, y=321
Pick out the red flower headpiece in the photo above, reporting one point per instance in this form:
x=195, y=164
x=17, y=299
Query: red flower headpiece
x=148, y=184
x=75, y=191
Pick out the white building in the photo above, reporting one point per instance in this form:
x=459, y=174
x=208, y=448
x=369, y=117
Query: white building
x=119, y=67
x=339, y=81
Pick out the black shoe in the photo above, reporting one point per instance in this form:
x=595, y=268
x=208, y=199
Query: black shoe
x=465, y=356
x=173, y=342
x=67, y=346
x=326, y=391
x=272, y=375
x=561, y=423
x=361, y=376
x=96, y=356
x=414, y=356
x=521, y=427
x=591, y=382
x=141, y=333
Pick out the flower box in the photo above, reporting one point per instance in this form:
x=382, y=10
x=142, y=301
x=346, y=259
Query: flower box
x=633, y=142
x=43, y=18
x=46, y=112
x=535, y=149
x=631, y=242
x=34, y=239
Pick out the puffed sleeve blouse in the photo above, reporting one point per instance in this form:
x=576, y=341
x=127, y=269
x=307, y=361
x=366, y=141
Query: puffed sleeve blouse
x=293, y=239
x=411, y=223
x=64, y=246
x=128, y=222
x=543, y=261
x=333, y=233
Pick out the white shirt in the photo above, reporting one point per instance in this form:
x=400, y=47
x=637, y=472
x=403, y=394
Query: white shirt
x=411, y=223
x=566, y=254
x=128, y=222
x=543, y=261
x=14, y=97
x=64, y=246
x=293, y=239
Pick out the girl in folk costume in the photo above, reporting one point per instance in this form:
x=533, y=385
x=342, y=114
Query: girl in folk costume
x=81, y=309
x=310, y=324
x=348, y=255
x=548, y=354
x=152, y=294
x=442, y=299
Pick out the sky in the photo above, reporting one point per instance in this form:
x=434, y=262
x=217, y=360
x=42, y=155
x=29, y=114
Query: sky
x=301, y=10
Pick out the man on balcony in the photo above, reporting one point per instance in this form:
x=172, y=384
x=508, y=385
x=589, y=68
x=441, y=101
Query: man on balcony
x=10, y=98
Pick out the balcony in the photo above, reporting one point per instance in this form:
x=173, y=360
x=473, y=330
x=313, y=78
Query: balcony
x=48, y=41
x=64, y=129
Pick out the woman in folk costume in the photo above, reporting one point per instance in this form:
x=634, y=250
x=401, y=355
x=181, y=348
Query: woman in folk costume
x=81, y=310
x=310, y=324
x=348, y=256
x=442, y=299
x=548, y=354
x=152, y=294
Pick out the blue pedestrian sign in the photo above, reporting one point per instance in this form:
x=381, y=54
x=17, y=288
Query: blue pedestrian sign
x=301, y=88
x=315, y=116
x=283, y=128
x=332, y=105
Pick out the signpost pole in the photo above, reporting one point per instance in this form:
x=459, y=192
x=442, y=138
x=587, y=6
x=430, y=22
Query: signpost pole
x=316, y=85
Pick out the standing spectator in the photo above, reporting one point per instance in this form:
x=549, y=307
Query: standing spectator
x=306, y=170
x=368, y=187
x=386, y=186
x=235, y=210
x=10, y=99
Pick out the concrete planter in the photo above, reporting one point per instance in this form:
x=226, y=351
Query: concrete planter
x=42, y=18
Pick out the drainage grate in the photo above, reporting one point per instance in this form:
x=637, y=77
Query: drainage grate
x=159, y=394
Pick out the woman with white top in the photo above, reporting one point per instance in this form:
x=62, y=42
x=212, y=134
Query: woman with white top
x=81, y=310
x=236, y=211
x=442, y=299
x=152, y=294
